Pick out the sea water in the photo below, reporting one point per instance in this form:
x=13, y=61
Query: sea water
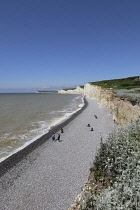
x=24, y=117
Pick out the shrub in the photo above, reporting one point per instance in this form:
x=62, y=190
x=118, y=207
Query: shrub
x=131, y=95
x=119, y=158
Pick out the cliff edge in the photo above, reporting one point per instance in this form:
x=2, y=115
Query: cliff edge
x=122, y=110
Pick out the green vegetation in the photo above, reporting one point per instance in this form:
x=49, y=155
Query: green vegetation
x=117, y=163
x=97, y=175
x=125, y=88
x=124, y=83
x=132, y=95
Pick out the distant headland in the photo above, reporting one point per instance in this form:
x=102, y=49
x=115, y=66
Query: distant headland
x=44, y=91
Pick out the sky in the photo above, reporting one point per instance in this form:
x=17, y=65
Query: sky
x=55, y=44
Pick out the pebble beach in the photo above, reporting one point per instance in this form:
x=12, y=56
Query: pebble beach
x=54, y=173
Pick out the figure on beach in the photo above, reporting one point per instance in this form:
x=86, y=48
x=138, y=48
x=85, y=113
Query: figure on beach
x=95, y=116
x=62, y=130
x=91, y=129
x=53, y=137
x=58, y=137
x=88, y=125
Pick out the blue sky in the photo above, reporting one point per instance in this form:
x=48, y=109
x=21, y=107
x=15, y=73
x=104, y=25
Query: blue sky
x=52, y=44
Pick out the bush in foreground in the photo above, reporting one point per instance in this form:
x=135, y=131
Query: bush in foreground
x=119, y=160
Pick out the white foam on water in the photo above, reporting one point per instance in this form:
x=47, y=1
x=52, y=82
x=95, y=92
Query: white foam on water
x=44, y=128
x=22, y=147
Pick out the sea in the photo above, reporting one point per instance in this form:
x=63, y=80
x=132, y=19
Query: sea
x=24, y=117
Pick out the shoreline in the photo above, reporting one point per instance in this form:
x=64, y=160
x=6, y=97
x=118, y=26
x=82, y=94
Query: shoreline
x=18, y=156
x=52, y=175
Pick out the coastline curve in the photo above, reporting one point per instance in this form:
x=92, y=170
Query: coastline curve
x=15, y=158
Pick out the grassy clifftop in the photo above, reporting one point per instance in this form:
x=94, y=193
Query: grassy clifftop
x=125, y=88
x=124, y=83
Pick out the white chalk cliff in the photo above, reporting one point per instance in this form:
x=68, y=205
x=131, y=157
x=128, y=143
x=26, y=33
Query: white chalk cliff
x=122, y=110
x=78, y=90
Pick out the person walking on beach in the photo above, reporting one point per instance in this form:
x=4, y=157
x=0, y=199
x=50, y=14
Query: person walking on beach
x=53, y=137
x=62, y=130
x=58, y=138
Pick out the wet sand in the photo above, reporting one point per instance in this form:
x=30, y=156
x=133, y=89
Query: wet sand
x=49, y=175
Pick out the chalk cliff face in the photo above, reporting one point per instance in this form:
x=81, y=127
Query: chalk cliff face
x=78, y=90
x=123, y=111
x=103, y=95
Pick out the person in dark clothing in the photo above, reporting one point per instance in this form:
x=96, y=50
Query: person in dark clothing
x=95, y=116
x=88, y=125
x=91, y=129
x=62, y=130
x=58, y=138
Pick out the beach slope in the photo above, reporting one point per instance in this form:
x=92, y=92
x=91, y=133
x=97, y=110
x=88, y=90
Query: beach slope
x=52, y=175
